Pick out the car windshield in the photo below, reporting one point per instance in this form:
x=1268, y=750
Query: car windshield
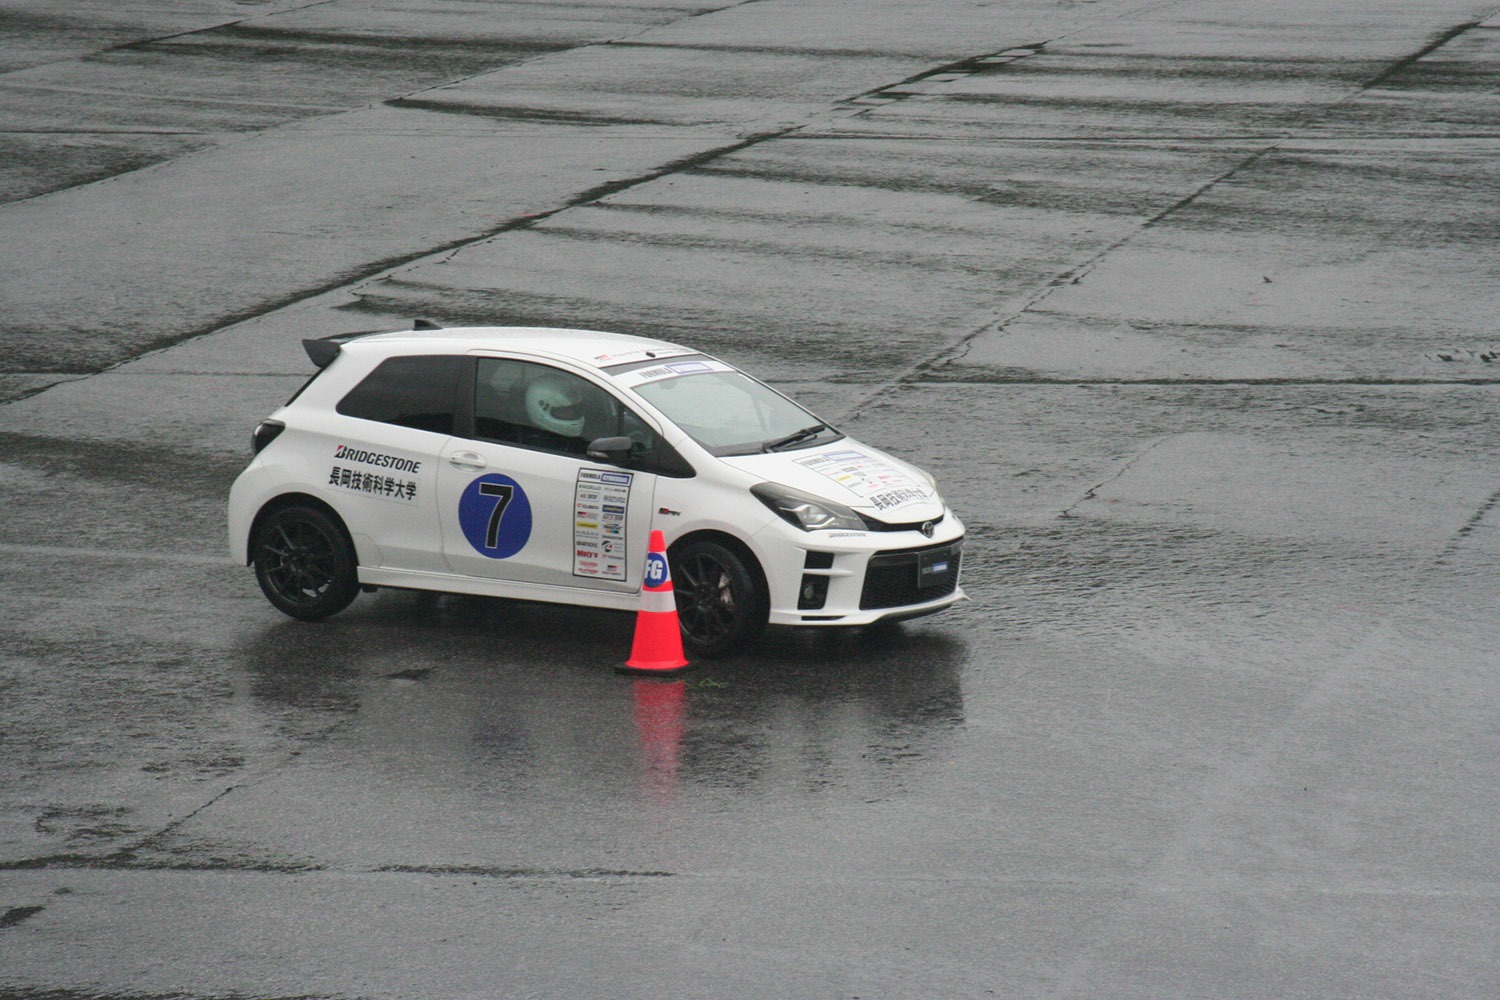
x=729, y=413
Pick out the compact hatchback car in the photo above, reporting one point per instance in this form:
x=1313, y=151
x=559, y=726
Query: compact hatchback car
x=534, y=463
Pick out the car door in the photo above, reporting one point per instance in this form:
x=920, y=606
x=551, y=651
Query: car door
x=518, y=498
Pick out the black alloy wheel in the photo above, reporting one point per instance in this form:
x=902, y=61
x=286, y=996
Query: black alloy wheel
x=305, y=563
x=721, y=604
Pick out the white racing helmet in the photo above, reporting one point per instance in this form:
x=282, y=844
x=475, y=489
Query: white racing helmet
x=554, y=405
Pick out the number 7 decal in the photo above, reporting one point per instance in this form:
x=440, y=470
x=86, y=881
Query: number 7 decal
x=504, y=493
x=495, y=516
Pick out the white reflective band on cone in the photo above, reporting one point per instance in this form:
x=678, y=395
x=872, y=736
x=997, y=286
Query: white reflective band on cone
x=658, y=600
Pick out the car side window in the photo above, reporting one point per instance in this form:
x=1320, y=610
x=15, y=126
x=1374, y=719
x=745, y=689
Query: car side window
x=535, y=406
x=540, y=407
x=415, y=391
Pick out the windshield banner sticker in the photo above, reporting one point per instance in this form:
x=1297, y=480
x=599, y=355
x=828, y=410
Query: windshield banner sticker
x=638, y=354
x=867, y=477
x=600, y=501
x=671, y=369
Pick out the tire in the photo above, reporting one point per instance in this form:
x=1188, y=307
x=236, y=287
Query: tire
x=305, y=563
x=722, y=604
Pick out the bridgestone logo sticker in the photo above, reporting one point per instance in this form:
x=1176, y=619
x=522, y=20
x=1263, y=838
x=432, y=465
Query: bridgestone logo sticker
x=381, y=461
x=374, y=484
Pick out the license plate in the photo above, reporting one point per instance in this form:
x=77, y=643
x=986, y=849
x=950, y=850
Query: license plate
x=933, y=568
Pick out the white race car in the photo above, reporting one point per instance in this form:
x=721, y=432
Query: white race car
x=533, y=463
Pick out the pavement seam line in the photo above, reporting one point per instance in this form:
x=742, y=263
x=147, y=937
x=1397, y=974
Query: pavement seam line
x=125, y=856
x=1231, y=782
x=1076, y=274
x=146, y=841
x=1071, y=276
x=1042, y=380
x=384, y=269
x=229, y=23
x=1473, y=522
x=1401, y=65
x=331, y=112
x=76, y=552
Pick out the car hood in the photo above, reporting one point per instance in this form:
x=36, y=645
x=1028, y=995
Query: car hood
x=850, y=473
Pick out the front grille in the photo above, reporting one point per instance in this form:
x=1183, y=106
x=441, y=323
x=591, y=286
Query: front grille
x=896, y=579
x=872, y=524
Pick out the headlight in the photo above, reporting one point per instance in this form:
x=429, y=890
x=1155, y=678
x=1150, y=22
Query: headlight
x=804, y=510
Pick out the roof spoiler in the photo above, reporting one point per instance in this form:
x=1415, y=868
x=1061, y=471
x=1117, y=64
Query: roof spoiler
x=322, y=350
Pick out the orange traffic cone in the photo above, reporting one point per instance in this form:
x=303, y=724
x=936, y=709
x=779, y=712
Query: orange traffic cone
x=657, y=649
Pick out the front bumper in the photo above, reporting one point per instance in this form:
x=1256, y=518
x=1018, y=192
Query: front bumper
x=843, y=578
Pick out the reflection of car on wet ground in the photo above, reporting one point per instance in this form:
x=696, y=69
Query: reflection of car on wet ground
x=533, y=463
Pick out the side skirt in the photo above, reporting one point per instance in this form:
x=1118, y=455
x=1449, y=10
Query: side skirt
x=452, y=583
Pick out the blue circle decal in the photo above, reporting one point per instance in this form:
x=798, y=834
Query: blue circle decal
x=657, y=572
x=495, y=516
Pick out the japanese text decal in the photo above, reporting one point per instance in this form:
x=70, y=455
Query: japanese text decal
x=867, y=477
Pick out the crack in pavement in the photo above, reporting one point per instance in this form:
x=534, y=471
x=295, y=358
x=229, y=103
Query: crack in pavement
x=1092, y=491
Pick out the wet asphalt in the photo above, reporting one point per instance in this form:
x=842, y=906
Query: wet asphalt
x=1190, y=308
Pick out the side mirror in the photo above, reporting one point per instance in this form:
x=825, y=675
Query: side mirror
x=614, y=450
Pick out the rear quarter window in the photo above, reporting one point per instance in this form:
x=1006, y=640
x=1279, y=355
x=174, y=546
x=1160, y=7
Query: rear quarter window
x=415, y=392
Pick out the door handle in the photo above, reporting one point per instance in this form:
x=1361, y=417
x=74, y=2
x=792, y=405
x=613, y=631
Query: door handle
x=466, y=460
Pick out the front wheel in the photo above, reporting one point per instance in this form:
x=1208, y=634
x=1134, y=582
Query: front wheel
x=721, y=603
x=305, y=563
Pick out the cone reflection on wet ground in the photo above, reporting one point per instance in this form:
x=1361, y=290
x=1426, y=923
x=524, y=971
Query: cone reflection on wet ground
x=660, y=712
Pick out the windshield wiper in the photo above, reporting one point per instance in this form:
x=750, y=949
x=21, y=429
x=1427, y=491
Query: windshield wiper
x=794, y=437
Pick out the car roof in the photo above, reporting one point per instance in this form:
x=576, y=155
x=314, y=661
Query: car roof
x=595, y=348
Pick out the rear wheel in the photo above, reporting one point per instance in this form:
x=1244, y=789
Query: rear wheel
x=305, y=563
x=721, y=603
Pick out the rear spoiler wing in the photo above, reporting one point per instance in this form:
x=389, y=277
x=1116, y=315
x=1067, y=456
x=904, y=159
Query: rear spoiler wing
x=322, y=350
